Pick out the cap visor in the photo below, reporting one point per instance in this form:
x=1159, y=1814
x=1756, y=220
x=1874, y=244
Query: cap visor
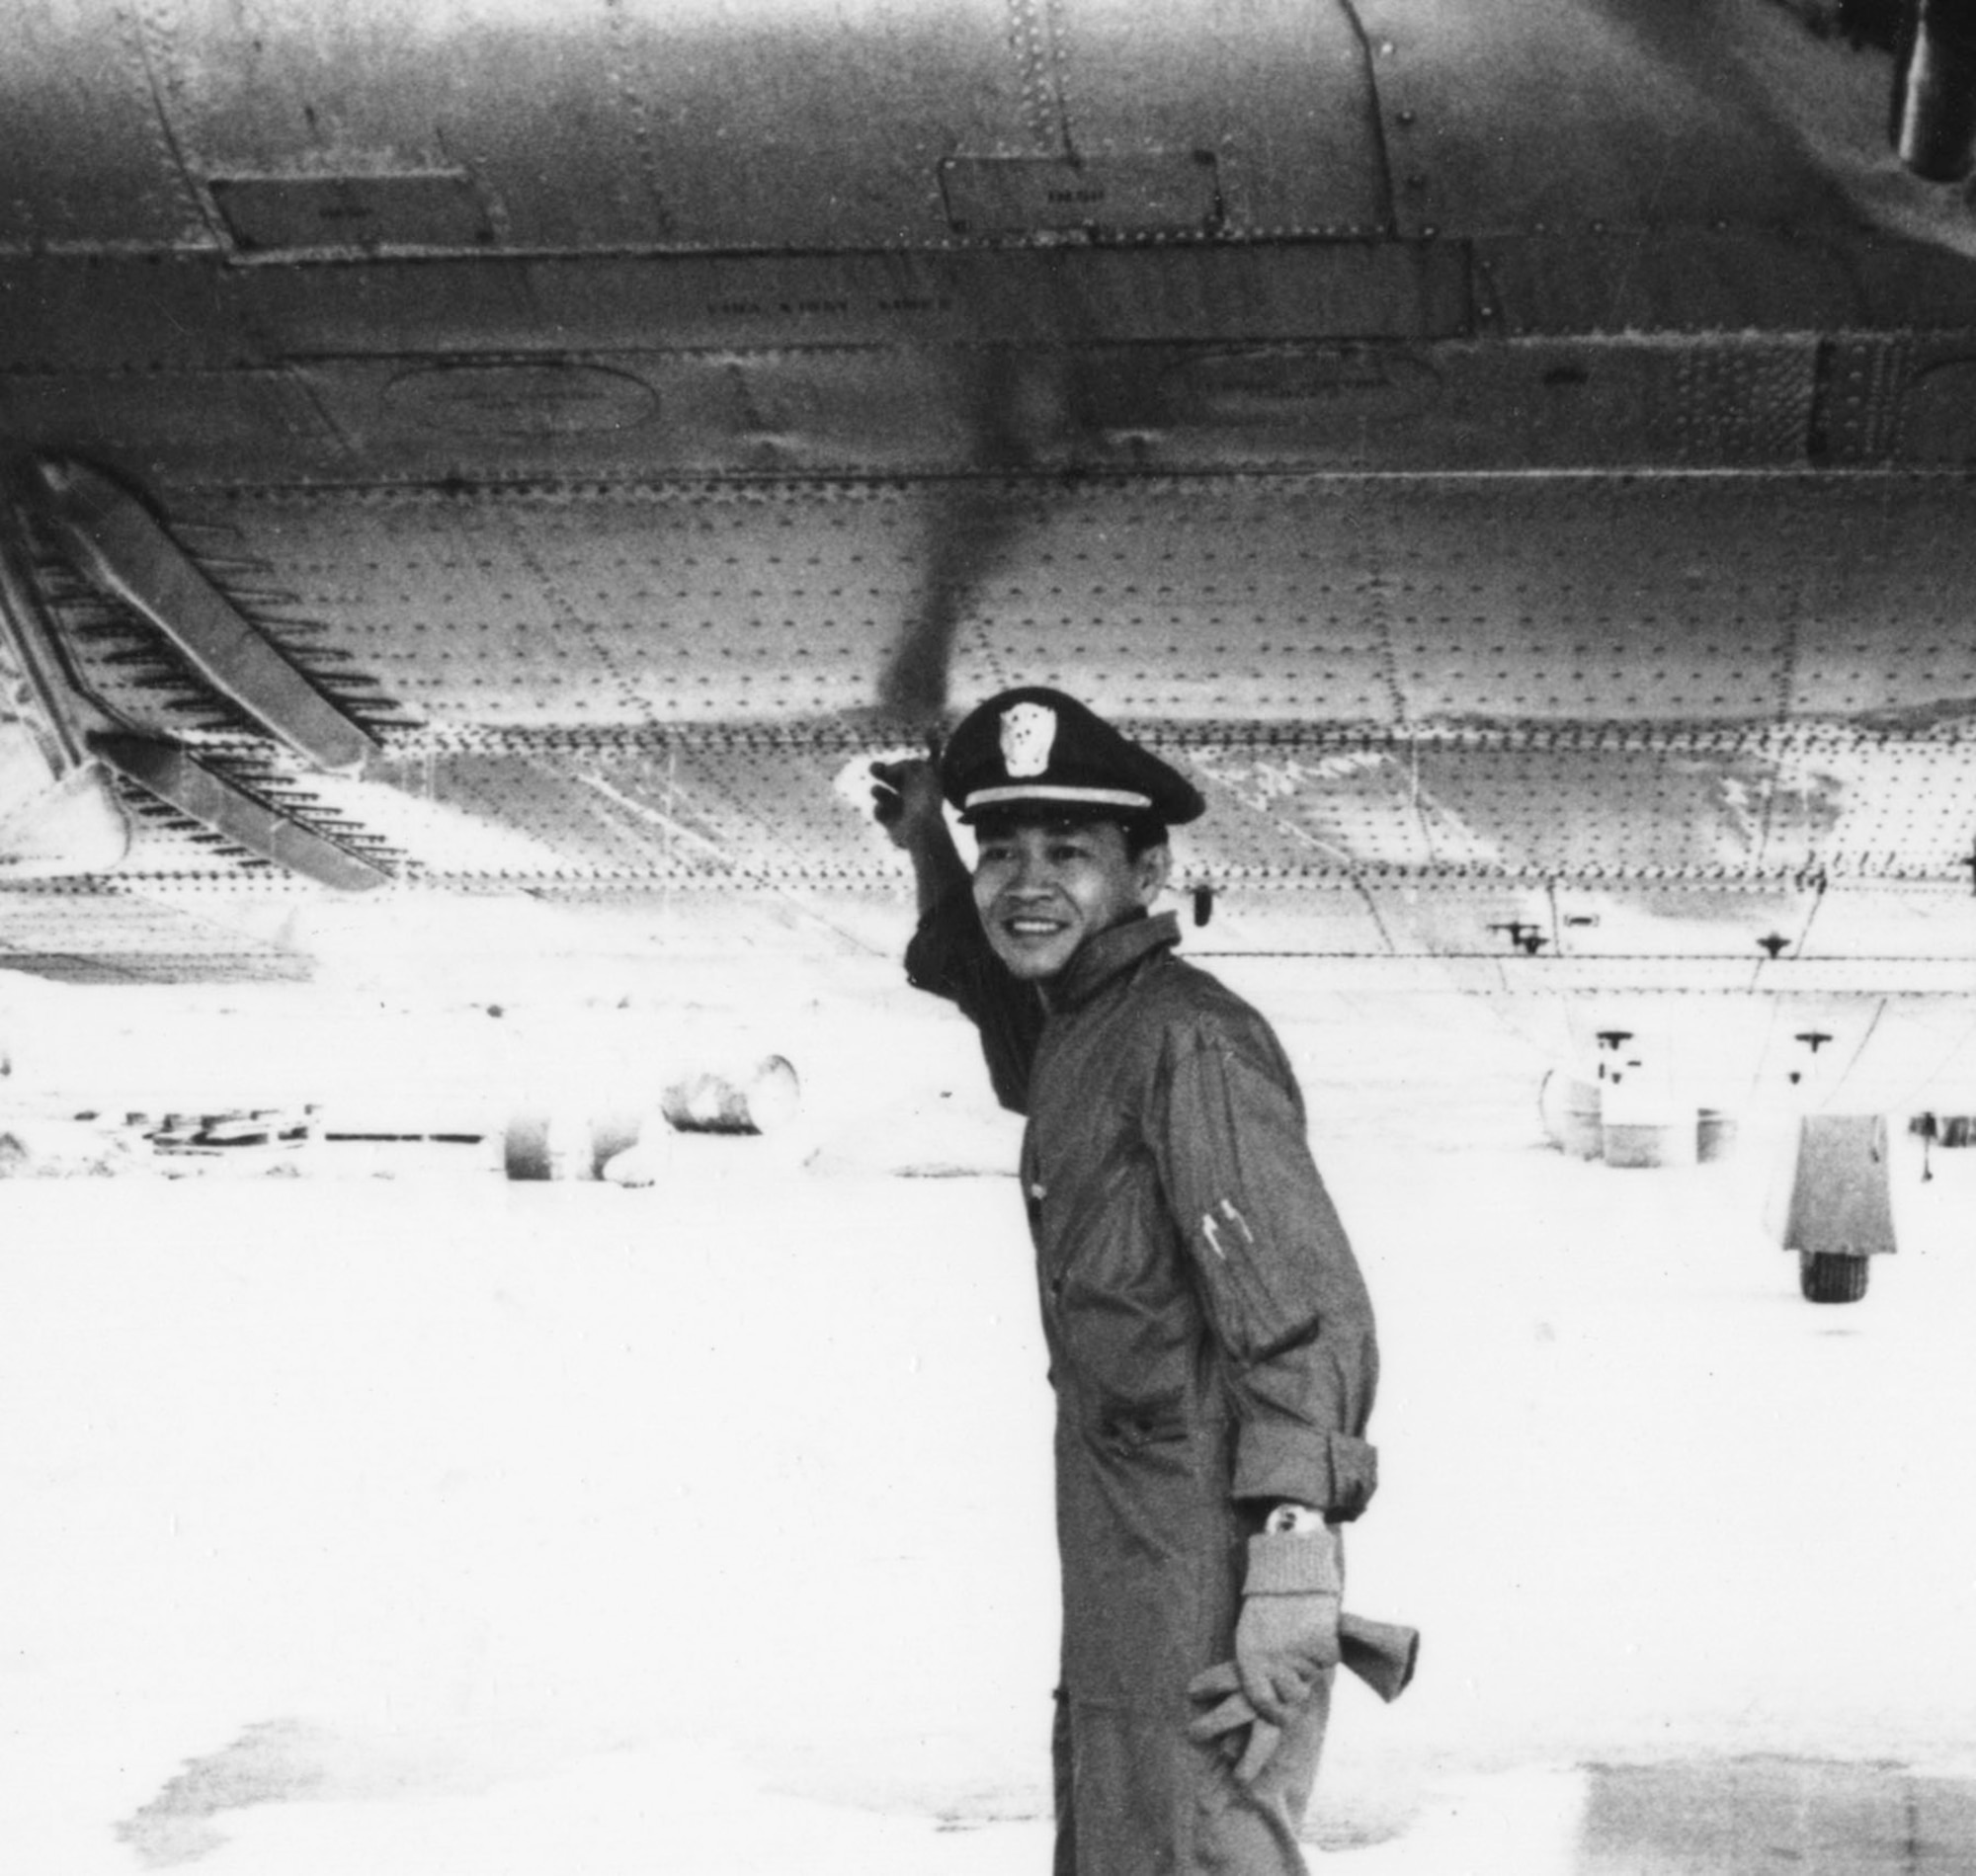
x=1056, y=795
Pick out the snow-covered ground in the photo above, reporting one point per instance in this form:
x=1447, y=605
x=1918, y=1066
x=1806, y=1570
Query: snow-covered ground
x=444, y=1526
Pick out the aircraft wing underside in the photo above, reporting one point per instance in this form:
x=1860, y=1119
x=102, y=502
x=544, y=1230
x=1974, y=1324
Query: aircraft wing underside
x=1514, y=456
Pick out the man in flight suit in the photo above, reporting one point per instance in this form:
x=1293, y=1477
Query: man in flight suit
x=1210, y=1338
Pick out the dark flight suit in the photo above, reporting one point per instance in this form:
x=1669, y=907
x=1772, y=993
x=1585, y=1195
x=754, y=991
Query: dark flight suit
x=1210, y=1340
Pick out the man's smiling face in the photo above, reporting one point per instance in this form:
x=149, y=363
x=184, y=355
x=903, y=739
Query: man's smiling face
x=1043, y=887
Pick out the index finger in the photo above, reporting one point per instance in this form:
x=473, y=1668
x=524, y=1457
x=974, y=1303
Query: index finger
x=1218, y=1679
x=1264, y=1739
x=1231, y=1715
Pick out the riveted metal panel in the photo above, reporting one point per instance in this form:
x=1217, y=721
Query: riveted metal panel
x=85, y=158
x=841, y=409
x=1861, y=389
x=771, y=812
x=1278, y=92
x=1374, y=601
x=104, y=964
x=508, y=420
x=1558, y=832
x=1703, y=848
x=507, y=403
x=124, y=318
x=1937, y=402
x=369, y=211
x=884, y=410
x=1738, y=405
x=100, y=934
x=1897, y=920
x=748, y=814
x=1720, y=281
x=664, y=683
x=1332, y=289
x=1145, y=593
x=788, y=124
x=611, y=606
x=1336, y=406
x=1648, y=980
x=540, y=815
x=1573, y=937
x=1683, y=280
x=630, y=607
x=1328, y=811
x=1885, y=809
x=1511, y=601
x=1164, y=191
x=887, y=410
x=1518, y=405
x=1640, y=935
x=1769, y=811
x=1526, y=115
x=357, y=85
x=118, y=315
x=170, y=427
x=1333, y=600
x=1738, y=920
x=1454, y=809
x=430, y=816
x=1876, y=579
x=1256, y=915
x=702, y=937
x=1635, y=811
x=796, y=124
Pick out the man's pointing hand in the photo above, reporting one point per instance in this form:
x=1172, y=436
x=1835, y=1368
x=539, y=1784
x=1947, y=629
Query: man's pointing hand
x=905, y=795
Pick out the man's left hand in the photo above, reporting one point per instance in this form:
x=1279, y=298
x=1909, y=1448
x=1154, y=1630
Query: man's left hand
x=1282, y=1646
x=1223, y=1722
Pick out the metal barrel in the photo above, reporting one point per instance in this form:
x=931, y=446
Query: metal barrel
x=1569, y=1108
x=758, y=1100
x=1714, y=1135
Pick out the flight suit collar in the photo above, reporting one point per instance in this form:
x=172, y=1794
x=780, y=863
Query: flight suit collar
x=1104, y=956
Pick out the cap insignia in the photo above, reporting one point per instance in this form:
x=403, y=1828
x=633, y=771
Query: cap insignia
x=1028, y=733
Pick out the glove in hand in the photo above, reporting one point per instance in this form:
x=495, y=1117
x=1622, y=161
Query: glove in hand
x=1282, y=1646
x=1285, y=1640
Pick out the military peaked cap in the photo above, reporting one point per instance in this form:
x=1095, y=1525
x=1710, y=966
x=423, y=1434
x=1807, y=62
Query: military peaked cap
x=1038, y=748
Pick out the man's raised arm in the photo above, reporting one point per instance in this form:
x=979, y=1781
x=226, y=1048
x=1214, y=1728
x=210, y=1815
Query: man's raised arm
x=906, y=798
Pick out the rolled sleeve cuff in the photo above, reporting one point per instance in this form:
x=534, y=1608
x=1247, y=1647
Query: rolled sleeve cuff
x=1334, y=1472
